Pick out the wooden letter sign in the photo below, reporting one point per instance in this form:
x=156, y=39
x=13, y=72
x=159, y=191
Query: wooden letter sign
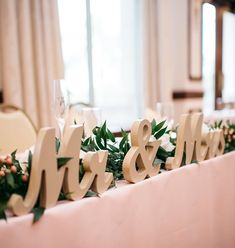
x=47, y=180
x=138, y=163
x=190, y=143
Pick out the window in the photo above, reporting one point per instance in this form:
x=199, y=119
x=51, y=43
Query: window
x=208, y=53
x=228, y=57
x=102, y=55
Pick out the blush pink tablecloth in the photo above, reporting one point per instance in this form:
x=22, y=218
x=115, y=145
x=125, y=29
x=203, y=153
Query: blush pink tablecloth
x=193, y=206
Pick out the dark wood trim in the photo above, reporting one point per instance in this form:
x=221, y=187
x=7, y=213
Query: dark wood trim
x=219, y=55
x=119, y=134
x=176, y=95
x=191, y=77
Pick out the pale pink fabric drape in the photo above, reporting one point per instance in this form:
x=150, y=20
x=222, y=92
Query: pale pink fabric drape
x=150, y=42
x=30, y=55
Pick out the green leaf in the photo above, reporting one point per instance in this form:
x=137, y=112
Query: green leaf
x=3, y=215
x=158, y=126
x=91, y=193
x=62, y=161
x=65, y=196
x=123, y=132
x=111, y=135
x=99, y=143
x=13, y=154
x=37, y=213
x=103, y=132
x=113, y=148
x=86, y=142
x=162, y=153
x=30, y=157
x=10, y=180
x=160, y=133
x=124, y=143
x=3, y=205
x=220, y=123
x=126, y=147
x=104, y=127
x=57, y=144
x=153, y=123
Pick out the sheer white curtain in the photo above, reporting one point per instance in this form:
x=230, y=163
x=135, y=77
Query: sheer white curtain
x=30, y=55
x=113, y=51
x=151, y=55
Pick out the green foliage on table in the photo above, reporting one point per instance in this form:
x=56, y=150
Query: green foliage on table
x=158, y=130
x=14, y=180
x=104, y=139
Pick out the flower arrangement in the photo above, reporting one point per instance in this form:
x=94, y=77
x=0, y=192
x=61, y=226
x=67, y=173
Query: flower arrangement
x=13, y=179
x=229, y=134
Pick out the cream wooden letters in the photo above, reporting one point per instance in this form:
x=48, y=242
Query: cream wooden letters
x=138, y=163
x=189, y=141
x=47, y=180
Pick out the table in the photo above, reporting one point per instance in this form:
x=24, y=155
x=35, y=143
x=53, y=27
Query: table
x=193, y=206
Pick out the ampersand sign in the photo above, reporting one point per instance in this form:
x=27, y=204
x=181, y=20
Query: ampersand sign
x=138, y=163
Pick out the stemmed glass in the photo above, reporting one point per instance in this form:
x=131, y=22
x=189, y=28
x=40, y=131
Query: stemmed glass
x=165, y=111
x=91, y=118
x=60, y=104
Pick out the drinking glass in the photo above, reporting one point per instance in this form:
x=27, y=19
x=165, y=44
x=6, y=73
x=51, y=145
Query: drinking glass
x=165, y=111
x=91, y=118
x=60, y=104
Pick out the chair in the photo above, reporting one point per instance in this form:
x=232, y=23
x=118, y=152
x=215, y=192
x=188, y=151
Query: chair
x=16, y=130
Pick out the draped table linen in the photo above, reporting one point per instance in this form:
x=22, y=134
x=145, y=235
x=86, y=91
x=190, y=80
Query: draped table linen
x=192, y=206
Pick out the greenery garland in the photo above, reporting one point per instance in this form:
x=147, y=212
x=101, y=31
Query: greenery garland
x=14, y=176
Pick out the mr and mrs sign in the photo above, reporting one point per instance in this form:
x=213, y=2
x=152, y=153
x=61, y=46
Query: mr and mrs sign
x=46, y=180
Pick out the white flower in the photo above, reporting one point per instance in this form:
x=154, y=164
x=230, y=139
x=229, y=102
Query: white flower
x=173, y=135
x=165, y=143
